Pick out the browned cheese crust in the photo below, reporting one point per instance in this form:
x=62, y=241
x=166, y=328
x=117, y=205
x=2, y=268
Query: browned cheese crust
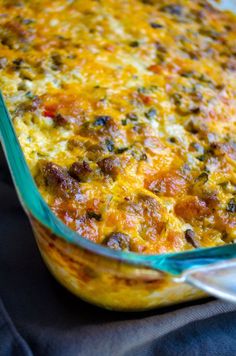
x=126, y=113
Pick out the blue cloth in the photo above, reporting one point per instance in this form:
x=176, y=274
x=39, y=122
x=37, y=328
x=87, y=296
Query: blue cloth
x=39, y=317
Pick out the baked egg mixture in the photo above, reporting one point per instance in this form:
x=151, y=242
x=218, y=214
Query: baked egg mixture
x=126, y=113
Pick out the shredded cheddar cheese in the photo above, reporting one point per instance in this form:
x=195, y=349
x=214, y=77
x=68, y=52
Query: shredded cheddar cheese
x=126, y=113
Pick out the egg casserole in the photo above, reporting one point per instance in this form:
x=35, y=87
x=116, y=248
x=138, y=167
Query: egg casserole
x=126, y=113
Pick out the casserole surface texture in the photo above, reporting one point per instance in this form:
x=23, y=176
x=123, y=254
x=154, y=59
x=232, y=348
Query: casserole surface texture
x=125, y=111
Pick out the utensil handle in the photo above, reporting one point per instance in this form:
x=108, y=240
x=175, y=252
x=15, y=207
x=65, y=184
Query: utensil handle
x=218, y=279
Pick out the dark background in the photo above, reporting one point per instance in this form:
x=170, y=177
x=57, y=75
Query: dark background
x=39, y=317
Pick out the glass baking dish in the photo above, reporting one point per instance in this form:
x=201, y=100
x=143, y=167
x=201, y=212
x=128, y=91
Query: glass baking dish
x=113, y=279
x=108, y=278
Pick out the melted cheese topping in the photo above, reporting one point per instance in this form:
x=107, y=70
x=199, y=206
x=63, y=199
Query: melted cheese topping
x=126, y=113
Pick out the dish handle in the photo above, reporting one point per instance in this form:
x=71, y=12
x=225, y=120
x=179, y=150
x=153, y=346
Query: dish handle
x=218, y=279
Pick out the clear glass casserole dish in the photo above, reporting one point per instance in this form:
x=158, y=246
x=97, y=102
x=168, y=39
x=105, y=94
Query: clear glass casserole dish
x=108, y=278
x=113, y=279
